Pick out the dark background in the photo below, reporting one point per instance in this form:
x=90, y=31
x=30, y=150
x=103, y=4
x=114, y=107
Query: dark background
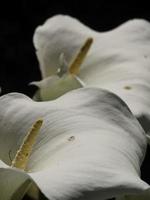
x=18, y=20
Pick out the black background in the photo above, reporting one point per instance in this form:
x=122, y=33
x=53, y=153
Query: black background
x=18, y=20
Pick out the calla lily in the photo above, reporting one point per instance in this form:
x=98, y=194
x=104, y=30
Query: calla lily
x=89, y=146
x=118, y=60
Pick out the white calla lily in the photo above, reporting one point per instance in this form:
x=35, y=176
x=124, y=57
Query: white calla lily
x=119, y=60
x=89, y=144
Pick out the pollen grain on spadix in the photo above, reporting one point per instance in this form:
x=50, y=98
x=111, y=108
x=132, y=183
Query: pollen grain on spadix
x=79, y=58
x=22, y=156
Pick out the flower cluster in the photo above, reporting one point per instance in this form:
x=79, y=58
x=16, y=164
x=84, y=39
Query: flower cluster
x=80, y=136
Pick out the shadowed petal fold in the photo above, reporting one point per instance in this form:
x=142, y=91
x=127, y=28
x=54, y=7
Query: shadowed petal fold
x=13, y=183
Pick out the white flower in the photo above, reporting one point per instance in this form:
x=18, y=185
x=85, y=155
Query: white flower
x=119, y=60
x=89, y=144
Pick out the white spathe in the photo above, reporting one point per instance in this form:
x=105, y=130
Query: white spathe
x=90, y=144
x=119, y=60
